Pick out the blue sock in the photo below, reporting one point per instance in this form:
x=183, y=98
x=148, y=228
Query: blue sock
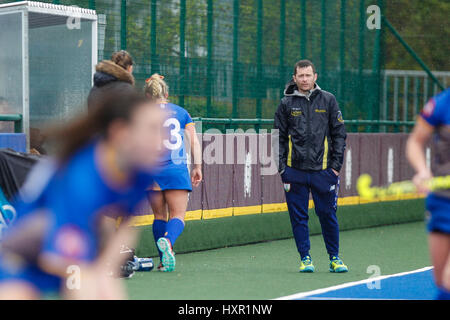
x=174, y=228
x=443, y=294
x=159, y=229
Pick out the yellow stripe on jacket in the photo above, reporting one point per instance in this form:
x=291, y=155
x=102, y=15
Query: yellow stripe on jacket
x=325, y=154
x=289, y=159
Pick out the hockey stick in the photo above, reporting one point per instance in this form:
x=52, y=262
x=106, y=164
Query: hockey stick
x=366, y=191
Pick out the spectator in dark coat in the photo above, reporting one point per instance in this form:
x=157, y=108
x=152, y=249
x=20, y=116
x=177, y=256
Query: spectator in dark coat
x=119, y=68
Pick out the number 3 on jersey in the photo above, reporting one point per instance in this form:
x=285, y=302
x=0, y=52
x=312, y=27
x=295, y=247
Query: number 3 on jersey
x=174, y=124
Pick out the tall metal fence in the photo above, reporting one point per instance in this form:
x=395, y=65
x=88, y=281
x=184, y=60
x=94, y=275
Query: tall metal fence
x=232, y=58
x=405, y=92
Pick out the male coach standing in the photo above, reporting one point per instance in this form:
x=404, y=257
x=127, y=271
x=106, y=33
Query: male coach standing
x=311, y=151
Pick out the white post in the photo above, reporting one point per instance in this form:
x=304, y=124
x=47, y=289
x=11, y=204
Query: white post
x=25, y=80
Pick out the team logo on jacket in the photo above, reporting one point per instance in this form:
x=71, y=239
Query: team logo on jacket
x=287, y=187
x=339, y=117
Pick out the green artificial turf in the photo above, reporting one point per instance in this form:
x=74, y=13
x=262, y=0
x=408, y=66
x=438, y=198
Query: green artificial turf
x=269, y=270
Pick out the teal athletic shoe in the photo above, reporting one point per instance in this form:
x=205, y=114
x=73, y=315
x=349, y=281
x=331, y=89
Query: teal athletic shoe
x=306, y=265
x=336, y=265
x=168, y=256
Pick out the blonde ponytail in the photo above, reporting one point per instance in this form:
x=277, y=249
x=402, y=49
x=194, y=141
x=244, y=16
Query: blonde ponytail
x=156, y=88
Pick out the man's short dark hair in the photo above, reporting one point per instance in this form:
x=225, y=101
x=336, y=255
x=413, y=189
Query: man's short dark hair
x=304, y=64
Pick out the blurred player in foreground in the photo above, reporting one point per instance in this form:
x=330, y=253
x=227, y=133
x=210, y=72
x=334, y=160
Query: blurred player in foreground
x=435, y=119
x=104, y=160
x=173, y=182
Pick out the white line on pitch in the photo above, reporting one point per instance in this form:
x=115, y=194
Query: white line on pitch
x=334, y=298
x=349, y=284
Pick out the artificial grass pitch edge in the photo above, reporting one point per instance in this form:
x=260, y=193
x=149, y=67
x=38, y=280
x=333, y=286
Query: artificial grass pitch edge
x=246, y=229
